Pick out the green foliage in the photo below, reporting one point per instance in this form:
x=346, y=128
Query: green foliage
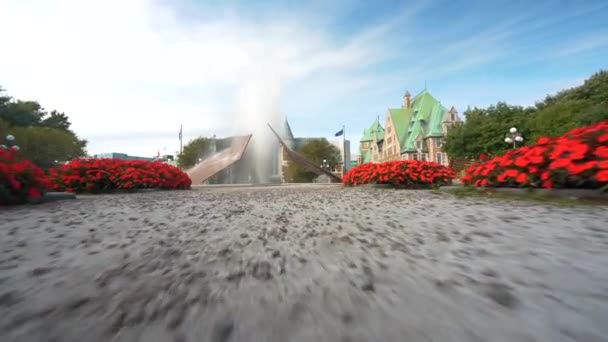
x=193, y=150
x=316, y=151
x=484, y=130
x=44, y=138
x=528, y=195
x=21, y=113
x=44, y=146
x=57, y=120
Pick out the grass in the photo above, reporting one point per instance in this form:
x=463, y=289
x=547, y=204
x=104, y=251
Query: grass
x=530, y=195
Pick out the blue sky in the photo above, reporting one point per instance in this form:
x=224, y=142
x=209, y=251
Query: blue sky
x=129, y=72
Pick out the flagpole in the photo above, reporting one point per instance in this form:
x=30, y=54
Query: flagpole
x=180, y=138
x=343, y=149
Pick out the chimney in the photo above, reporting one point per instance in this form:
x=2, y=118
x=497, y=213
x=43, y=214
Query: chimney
x=406, y=99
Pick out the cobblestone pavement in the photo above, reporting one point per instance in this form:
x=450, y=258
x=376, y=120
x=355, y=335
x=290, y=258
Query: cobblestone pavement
x=302, y=263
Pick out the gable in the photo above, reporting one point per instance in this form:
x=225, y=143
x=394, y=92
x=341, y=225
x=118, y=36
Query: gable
x=427, y=115
x=374, y=132
x=391, y=131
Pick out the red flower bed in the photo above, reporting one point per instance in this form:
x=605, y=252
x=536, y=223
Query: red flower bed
x=20, y=180
x=400, y=173
x=102, y=175
x=577, y=159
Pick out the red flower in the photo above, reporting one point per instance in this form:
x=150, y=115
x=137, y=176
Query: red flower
x=576, y=169
x=398, y=172
x=521, y=178
x=602, y=176
x=542, y=141
x=106, y=174
x=577, y=158
x=19, y=178
x=511, y=173
x=602, y=152
x=522, y=162
x=559, y=163
x=33, y=193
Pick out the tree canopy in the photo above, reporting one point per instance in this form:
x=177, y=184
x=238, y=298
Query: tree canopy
x=485, y=129
x=192, y=151
x=44, y=137
x=315, y=150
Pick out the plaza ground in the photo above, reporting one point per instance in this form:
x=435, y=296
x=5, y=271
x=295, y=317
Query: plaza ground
x=302, y=263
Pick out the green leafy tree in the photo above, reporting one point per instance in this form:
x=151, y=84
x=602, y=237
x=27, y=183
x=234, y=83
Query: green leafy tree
x=44, y=138
x=22, y=113
x=315, y=150
x=484, y=129
x=571, y=108
x=45, y=146
x=56, y=120
x=194, y=150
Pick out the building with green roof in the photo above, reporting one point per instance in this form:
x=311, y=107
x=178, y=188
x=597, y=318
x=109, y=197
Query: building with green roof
x=370, y=145
x=414, y=131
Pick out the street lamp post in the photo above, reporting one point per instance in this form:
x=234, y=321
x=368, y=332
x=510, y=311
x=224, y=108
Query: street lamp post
x=9, y=142
x=513, y=137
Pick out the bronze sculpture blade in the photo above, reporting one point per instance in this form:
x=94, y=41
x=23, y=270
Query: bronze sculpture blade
x=219, y=161
x=298, y=158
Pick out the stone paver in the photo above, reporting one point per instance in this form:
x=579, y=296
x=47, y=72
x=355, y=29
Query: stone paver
x=302, y=263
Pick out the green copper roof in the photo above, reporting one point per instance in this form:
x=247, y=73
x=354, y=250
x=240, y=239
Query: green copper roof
x=423, y=119
x=437, y=117
x=400, y=117
x=427, y=115
x=366, y=135
x=374, y=131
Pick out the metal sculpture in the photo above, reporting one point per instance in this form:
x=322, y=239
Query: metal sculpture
x=219, y=161
x=301, y=160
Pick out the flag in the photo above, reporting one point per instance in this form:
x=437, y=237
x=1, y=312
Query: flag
x=340, y=133
x=180, y=132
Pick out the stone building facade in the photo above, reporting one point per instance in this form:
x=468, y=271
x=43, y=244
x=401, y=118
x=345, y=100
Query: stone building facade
x=415, y=131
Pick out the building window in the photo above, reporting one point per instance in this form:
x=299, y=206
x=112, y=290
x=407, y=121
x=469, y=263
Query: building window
x=418, y=144
x=437, y=142
x=414, y=156
x=452, y=116
x=438, y=158
x=423, y=156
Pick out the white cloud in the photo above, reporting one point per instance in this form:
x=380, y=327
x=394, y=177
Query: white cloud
x=128, y=68
x=584, y=44
x=129, y=72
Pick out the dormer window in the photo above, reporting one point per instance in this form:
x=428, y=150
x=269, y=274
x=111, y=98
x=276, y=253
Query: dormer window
x=418, y=144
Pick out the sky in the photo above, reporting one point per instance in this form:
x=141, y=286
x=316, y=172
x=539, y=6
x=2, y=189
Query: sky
x=128, y=73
